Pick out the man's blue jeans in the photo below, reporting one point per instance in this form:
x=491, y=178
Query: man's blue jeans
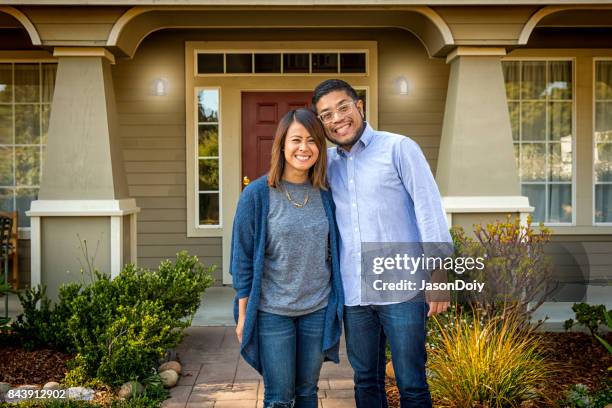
x=367, y=330
x=291, y=356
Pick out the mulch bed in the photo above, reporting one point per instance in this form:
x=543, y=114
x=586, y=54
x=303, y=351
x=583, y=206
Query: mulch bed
x=20, y=367
x=582, y=358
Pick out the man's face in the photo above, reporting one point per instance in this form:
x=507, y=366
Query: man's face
x=342, y=117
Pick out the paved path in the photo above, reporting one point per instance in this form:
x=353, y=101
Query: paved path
x=214, y=375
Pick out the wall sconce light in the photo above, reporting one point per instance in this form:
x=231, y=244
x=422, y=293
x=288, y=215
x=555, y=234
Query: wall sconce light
x=402, y=86
x=160, y=87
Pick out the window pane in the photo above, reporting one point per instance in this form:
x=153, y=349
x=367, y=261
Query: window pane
x=48, y=81
x=239, y=63
x=533, y=85
x=559, y=80
x=603, y=162
x=25, y=196
x=537, y=199
x=603, y=203
x=6, y=165
x=6, y=124
x=296, y=63
x=46, y=114
x=515, y=118
x=603, y=80
x=6, y=199
x=27, y=166
x=533, y=162
x=353, y=62
x=533, y=120
x=517, y=155
x=209, y=208
x=209, y=174
x=324, y=62
x=208, y=140
x=6, y=82
x=603, y=122
x=361, y=95
x=27, y=83
x=560, y=120
x=210, y=63
x=27, y=124
x=511, y=77
x=560, y=203
x=560, y=161
x=208, y=105
x=267, y=63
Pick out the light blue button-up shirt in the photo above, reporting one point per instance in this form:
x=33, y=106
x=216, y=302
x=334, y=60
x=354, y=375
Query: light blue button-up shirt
x=384, y=191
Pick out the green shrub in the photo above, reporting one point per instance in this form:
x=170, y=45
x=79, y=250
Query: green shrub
x=117, y=328
x=590, y=316
x=579, y=396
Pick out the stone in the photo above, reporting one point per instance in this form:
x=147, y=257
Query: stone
x=51, y=385
x=130, y=388
x=389, y=371
x=169, y=378
x=80, y=393
x=4, y=387
x=171, y=365
x=28, y=387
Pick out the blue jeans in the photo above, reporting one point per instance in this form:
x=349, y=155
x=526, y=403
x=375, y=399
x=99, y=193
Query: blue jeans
x=291, y=357
x=367, y=330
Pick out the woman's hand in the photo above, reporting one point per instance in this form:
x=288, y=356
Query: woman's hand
x=239, y=329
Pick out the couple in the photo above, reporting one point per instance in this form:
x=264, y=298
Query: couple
x=296, y=261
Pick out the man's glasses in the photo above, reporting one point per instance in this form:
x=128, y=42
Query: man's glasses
x=342, y=111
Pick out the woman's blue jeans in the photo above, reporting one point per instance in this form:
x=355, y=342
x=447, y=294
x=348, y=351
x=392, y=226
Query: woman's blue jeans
x=367, y=329
x=291, y=357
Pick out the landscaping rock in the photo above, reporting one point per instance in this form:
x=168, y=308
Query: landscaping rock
x=28, y=387
x=169, y=378
x=389, y=371
x=80, y=393
x=51, y=385
x=171, y=365
x=4, y=387
x=130, y=388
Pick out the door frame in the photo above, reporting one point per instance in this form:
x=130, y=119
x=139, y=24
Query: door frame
x=231, y=87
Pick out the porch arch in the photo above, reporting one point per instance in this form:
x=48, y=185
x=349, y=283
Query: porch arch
x=25, y=22
x=138, y=22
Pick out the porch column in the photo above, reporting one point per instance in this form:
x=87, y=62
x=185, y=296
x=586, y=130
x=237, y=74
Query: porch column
x=83, y=216
x=477, y=173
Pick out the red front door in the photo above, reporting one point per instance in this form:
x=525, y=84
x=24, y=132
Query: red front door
x=261, y=112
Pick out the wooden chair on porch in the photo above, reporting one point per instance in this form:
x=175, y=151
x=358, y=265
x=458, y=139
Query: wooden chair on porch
x=9, y=245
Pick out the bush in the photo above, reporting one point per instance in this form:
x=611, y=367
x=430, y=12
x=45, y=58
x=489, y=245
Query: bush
x=489, y=361
x=117, y=328
x=590, y=316
x=517, y=272
x=579, y=396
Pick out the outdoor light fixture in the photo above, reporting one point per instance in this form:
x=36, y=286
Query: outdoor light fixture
x=160, y=87
x=401, y=84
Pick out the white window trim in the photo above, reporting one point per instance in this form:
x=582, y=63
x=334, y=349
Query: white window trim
x=574, y=135
x=282, y=51
x=594, y=111
x=193, y=208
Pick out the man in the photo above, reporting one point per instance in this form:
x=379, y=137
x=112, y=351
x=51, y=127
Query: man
x=384, y=192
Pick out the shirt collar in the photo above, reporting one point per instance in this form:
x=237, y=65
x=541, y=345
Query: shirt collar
x=366, y=137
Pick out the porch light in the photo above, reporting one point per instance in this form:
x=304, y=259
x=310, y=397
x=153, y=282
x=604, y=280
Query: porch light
x=160, y=87
x=401, y=84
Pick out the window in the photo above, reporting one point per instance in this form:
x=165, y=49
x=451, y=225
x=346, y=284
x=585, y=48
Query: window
x=602, y=155
x=209, y=190
x=260, y=62
x=26, y=91
x=540, y=102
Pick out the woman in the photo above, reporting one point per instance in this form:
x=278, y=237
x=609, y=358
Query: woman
x=285, y=266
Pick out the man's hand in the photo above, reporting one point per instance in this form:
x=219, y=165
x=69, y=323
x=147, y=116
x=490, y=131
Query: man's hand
x=437, y=307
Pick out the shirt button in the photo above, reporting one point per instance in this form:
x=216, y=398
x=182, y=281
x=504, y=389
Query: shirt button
x=351, y=180
x=354, y=205
x=356, y=229
x=350, y=158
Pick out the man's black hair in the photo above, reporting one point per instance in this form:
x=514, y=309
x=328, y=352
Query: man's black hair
x=332, y=85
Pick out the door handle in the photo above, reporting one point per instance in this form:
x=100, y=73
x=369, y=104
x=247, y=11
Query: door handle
x=245, y=181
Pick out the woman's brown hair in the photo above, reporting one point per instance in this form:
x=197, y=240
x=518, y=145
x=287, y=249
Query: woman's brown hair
x=308, y=119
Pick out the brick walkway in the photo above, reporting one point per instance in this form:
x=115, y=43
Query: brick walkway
x=214, y=375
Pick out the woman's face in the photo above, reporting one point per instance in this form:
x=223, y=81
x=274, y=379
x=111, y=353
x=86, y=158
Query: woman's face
x=301, y=151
